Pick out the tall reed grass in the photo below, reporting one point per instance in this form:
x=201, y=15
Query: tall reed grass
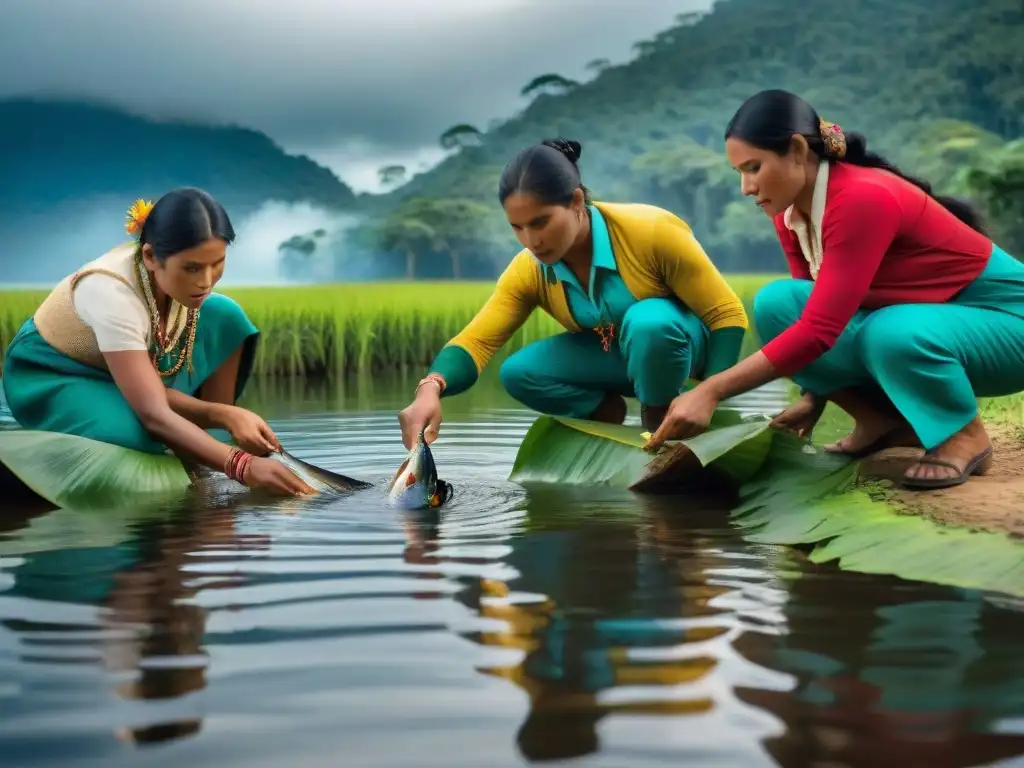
x=343, y=328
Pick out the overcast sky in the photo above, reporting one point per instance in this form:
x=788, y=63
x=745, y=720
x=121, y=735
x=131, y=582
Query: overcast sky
x=353, y=83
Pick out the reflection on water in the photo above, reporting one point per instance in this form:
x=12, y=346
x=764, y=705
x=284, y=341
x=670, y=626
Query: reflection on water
x=516, y=626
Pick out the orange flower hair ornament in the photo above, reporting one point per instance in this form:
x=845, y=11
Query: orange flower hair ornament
x=834, y=138
x=136, y=216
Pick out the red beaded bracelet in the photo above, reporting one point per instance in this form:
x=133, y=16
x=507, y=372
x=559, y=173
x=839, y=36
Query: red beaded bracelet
x=229, y=462
x=237, y=464
x=243, y=469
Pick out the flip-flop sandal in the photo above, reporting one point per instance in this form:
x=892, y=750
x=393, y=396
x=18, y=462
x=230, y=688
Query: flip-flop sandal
x=945, y=482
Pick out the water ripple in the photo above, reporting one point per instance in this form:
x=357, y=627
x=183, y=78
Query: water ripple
x=514, y=626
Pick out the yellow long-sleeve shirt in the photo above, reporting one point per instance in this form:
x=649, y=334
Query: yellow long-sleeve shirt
x=656, y=255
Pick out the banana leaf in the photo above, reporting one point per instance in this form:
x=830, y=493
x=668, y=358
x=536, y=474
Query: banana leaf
x=582, y=452
x=805, y=496
x=790, y=493
x=71, y=471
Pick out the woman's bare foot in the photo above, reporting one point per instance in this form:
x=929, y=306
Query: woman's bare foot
x=875, y=438
x=876, y=434
x=877, y=423
x=946, y=464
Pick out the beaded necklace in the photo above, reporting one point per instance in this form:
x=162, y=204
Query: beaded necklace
x=166, y=345
x=606, y=332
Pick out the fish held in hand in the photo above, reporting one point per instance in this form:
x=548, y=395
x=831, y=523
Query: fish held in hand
x=415, y=484
x=319, y=479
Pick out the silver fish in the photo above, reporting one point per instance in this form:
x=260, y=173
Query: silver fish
x=320, y=480
x=415, y=484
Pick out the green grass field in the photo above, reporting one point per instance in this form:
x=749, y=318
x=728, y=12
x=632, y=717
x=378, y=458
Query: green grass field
x=343, y=328
x=331, y=330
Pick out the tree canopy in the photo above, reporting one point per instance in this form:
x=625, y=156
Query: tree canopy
x=937, y=86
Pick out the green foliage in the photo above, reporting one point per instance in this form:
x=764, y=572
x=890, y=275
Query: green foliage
x=999, y=182
x=75, y=472
x=549, y=83
x=582, y=452
x=67, y=151
x=802, y=499
x=448, y=229
x=328, y=329
x=789, y=495
x=299, y=255
x=459, y=136
x=390, y=175
x=299, y=243
x=71, y=165
x=72, y=471
x=935, y=85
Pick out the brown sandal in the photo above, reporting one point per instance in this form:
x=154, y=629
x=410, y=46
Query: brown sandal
x=973, y=467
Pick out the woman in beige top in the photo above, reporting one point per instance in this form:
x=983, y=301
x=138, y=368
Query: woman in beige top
x=136, y=350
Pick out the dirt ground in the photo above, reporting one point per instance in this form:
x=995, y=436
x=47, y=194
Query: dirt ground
x=992, y=502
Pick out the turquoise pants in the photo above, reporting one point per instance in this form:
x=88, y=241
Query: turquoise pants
x=661, y=344
x=932, y=360
x=47, y=390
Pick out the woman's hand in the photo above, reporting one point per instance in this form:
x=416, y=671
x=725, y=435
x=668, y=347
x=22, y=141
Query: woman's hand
x=275, y=477
x=689, y=414
x=424, y=411
x=250, y=433
x=801, y=417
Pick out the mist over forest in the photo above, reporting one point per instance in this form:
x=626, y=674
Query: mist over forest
x=651, y=130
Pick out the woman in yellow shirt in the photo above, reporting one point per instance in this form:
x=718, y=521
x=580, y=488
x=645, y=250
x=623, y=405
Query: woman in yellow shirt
x=643, y=306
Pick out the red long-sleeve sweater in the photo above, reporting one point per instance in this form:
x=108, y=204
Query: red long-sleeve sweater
x=884, y=242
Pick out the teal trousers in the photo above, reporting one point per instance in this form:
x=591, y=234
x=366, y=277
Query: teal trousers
x=932, y=360
x=660, y=345
x=47, y=390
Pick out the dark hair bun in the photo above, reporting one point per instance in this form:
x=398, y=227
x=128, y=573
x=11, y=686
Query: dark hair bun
x=568, y=147
x=546, y=170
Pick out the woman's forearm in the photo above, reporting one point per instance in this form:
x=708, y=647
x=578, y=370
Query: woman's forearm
x=750, y=373
x=199, y=412
x=183, y=436
x=151, y=400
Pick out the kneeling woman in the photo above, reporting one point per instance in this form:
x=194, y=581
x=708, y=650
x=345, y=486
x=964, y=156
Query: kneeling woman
x=901, y=310
x=643, y=306
x=134, y=349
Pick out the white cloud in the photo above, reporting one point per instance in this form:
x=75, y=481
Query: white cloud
x=389, y=73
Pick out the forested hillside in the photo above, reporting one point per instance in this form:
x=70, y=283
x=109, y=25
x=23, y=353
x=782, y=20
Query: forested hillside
x=938, y=85
x=66, y=165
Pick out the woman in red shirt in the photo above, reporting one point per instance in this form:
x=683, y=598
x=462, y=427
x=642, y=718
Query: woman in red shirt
x=900, y=309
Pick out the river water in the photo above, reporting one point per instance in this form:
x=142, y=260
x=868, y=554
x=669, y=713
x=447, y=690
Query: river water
x=571, y=626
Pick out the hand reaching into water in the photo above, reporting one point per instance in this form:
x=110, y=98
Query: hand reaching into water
x=275, y=477
x=424, y=411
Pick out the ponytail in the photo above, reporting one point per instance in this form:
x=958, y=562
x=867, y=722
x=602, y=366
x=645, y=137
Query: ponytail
x=768, y=120
x=857, y=153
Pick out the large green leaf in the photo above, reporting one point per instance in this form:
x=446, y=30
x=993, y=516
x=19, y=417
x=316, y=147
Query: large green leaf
x=801, y=497
x=72, y=471
x=791, y=493
x=577, y=451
